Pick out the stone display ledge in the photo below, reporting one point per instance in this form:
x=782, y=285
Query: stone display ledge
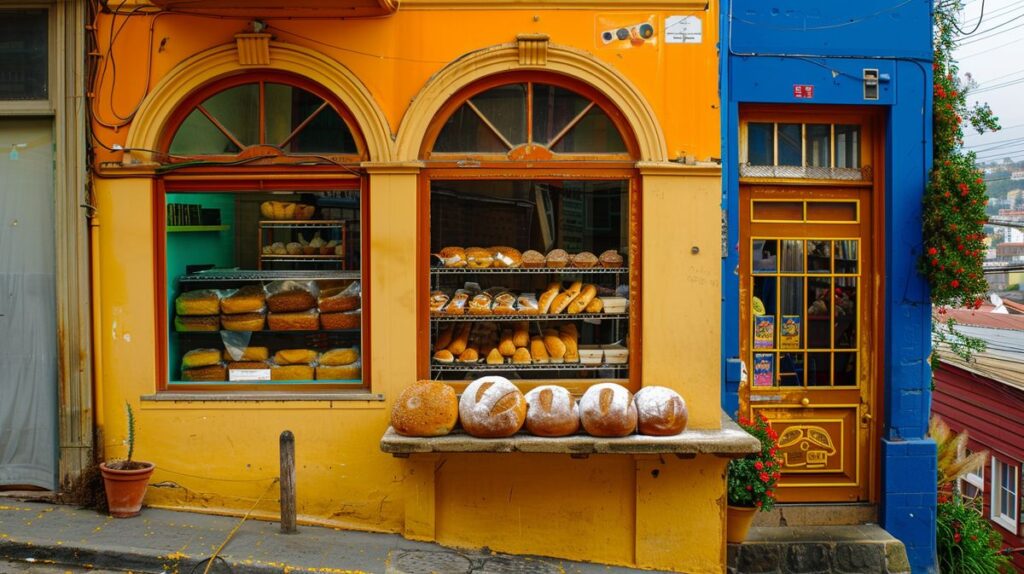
x=264, y=396
x=730, y=441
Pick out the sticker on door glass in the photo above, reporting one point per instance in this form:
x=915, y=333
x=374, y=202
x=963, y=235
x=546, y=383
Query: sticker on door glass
x=683, y=30
x=789, y=332
x=764, y=332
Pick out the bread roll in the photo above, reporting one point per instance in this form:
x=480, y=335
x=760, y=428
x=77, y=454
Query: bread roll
x=660, y=411
x=346, y=320
x=198, y=302
x=470, y=355
x=580, y=302
x=197, y=323
x=444, y=356
x=533, y=259
x=425, y=409
x=209, y=373
x=243, y=322
x=453, y=257
x=505, y=345
x=554, y=346
x=539, y=351
x=492, y=407
x=506, y=257
x=246, y=354
x=563, y=299
x=290, y=300
x=551, y=411
x=248, y=299
x=494, y=357
x=291, y=373
x=295, y=357
x=478, y=258
x=522, y=356
x=607, y=410
x=444, y=338
x=584, y=260
x=557, y=258
x=339, y=373
x=596, y=305
x=610, y=258
x=200, y=358
x=521, y=334
x=305, y=321
x=461, y=340
x=547, y=297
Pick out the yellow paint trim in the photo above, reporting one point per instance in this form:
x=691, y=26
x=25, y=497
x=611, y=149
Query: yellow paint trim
x=679, y=5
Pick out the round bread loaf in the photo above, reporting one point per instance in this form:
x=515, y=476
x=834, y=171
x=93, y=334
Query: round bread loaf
x=551, y=411
x=291, y=300
x=492, y=407
x=607, y=410
x=660, y=411
x=425, y=409
x=533, y=259
x=248, y=299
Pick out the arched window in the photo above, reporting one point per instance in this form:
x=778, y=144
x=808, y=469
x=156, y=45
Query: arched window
x=272, y=117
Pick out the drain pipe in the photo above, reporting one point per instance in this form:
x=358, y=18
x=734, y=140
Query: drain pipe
x=97, y=320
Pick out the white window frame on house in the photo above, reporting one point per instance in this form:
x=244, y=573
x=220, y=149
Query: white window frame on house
x=974, y=479
x=1005, y=517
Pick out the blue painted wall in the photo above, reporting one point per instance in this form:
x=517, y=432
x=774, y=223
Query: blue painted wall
x=767, y=47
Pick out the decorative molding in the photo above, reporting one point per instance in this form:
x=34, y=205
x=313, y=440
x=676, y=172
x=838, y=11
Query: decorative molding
x=692, y=5
x=392, y=168
x=677, y=169
x=253, y=49
x=533, y=49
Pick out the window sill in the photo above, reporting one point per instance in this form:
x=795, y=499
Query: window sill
x=1006, y=522
x=263, y=396
x=730, y=441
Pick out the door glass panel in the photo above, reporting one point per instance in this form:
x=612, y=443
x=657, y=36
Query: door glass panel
x=791, y=305
x=505, y=108
x=846, y=313
x=764, y=255
x=198, y=136
x=846, y=256
x=831, y=211
x=237, y=109
x=845, y=373
x=793, y=256
x=778, y=211
x=819, y=145
x=819, y=259
x=760, y=144
x=464, y=131
x=819, y=369
x=790, y=144
x=819, y=306
x=595, y=133
x=764, y=312
x=553, y=109
x=764, y=370
x=847, y=146
x=791, y=369
x=24, y=57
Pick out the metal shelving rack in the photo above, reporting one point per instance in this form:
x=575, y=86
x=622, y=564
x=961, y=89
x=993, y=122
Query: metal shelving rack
x=463, y=367
x=268, y=258
x=442, y=318
x=249, y=275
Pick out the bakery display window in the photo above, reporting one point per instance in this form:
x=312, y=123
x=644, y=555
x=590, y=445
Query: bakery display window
x=530, y=279
x=264, y=287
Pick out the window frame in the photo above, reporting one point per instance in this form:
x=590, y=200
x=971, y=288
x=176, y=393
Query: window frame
x=998, y=514
x=46, y=106
x=974, y=479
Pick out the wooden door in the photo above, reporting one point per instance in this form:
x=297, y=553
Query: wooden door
x=807, y=290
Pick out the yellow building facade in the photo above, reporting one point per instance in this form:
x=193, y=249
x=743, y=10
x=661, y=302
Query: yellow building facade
x=394, y=76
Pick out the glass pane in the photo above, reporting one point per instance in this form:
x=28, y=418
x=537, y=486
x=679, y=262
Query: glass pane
x=23, y=55
x=763, y=310
x=237, y=109
x=791, y=316
x=790, y=144
x=760, y=144
x=505, y=108
x=831, y=211
x=764, y=256
x=846, y=256
x=791, y=369
x=793, y=256
x=198, y=136
x=819, y=256
x=595, y=133
x=819, y=145
x=465, y=132
x=778, y=211
x=553, y=109
x=819, y=369
x=819, y=316
x=845, y=369
x=847, y=146
x=846, y=312
x=286, y=107
x=764, y=370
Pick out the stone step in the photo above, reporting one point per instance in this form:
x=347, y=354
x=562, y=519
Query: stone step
x=847, y=549
x=805, y=514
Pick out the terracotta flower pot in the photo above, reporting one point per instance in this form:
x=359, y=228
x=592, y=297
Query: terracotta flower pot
x=737, y=523
x=125, y=488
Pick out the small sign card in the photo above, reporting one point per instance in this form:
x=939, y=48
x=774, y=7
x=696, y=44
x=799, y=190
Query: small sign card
x=248, y=374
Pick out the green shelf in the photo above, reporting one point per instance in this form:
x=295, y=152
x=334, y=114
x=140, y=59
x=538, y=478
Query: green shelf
x=195, y=228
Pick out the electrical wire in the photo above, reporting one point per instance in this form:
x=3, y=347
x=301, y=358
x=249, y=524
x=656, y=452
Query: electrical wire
x=850, y=22
x=986, y=51
x=350, y=50
x=985, y=35
x=976, y=26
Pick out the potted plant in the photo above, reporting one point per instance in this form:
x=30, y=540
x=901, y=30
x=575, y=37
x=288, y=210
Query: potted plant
x=751, y=480
x=125, y=481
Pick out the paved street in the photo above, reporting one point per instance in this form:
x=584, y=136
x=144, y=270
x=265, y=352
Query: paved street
x=38, y=568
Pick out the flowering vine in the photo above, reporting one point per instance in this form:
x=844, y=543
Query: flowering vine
x=955, y=198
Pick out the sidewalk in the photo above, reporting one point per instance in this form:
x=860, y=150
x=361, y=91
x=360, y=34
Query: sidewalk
x=163, y=541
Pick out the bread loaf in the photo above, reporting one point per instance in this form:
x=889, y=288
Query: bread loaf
x=444, y=338
x=522, y=356
x=457, y=304
x=425, y=409
x=295, y=357
x=444, y=356
x=453, y=257
x=596, y=305
x=339, y=373
x=200, y=358
x=527, y=304
x=506, y=257
x=470, y=355
x=557, y=258
x=346, y=320
x=660, y=411
x=478, y=258
x=243, y=322
x=248, y=299
x=569, y=328
x=505, y=345
x=291, y=299
x=610, y=258
x=339, y=357
x=291, y=373
x=504, y=304
x=583, y=299
x=492, y=407
x=607, y=410
x=572, y=354
x=209, y=373
x=547, y=298
x=533, y=259
x=246, y=354
x=521, y=334
x=494, y=357
x=191, y=323
x=584, y=260
x=305, y=321
x=539, y=351
x=554, y=345
x=551, y=411
x=461, y=340
x=339, y=300
x=198, y=302
x=480, y=304
x=565, y=297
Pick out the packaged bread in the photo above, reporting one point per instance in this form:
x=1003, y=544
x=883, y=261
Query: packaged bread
x=504, y=304
x=304, y=321
x=346, y=320
x=584, y=260
x=190, y=323
x=340, y=299
x=478, y=258
x=579, y=304
x=506, y=257
x=295, y=357
x=233, y=353
x=200, y=358
x=243, y=321
x=557, y=258
x=538, y=351
x=561, y=302
x=607, y=410
x=554, y=346
x=526, y=304
x=444, y=356
x=339, y=373
x=522, y=356
x=248, y=299
x=533, y=259
x=208, y=373
x=521, y=334
x=610, y=259
x=444, y=338
x=438, y=299
x=547, y=297
x=505, y=345
x=457, y=304
x=425, y=409
x=461, y=339
x=290, y=296
x=198, y=302
x=660, y=411
x=339, y=357
x=453, y=257
x=291, y=372
x=551, y=411
x=492, y=407
x=596, y=305
x=480, y=304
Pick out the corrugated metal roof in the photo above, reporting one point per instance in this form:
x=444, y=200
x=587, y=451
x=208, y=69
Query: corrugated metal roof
x=1003, y=358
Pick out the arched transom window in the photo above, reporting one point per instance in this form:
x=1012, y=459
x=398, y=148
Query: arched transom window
x=531, y=120
x=270, y=117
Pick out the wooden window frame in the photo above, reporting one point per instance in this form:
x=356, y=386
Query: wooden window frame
x=998, y=514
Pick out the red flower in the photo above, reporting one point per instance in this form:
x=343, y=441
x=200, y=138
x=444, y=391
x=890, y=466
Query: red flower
x=963, y=188
x=979, y=181
x=764, y=477
x=749, y=488
x=935, y=262
x=771, y=451
x=776, y=475
x=954, y=283
x=758, y=465
x=759, y=504
x=957, y=538
x=932, y=251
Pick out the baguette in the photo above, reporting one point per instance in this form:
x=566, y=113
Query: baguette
x=565, y=297
x=444, y=338
x=585, y=297
x=547, y=297
x=538, y=351
x=506, y=347
x=521, y=335
x=554, y=346
x=595, y=306
x=572, y=352
x=461, y=340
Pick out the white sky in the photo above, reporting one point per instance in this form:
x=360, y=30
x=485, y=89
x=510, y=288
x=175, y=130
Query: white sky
x=994, y=56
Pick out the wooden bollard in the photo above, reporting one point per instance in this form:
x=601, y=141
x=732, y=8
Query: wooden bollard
x=288, y=483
